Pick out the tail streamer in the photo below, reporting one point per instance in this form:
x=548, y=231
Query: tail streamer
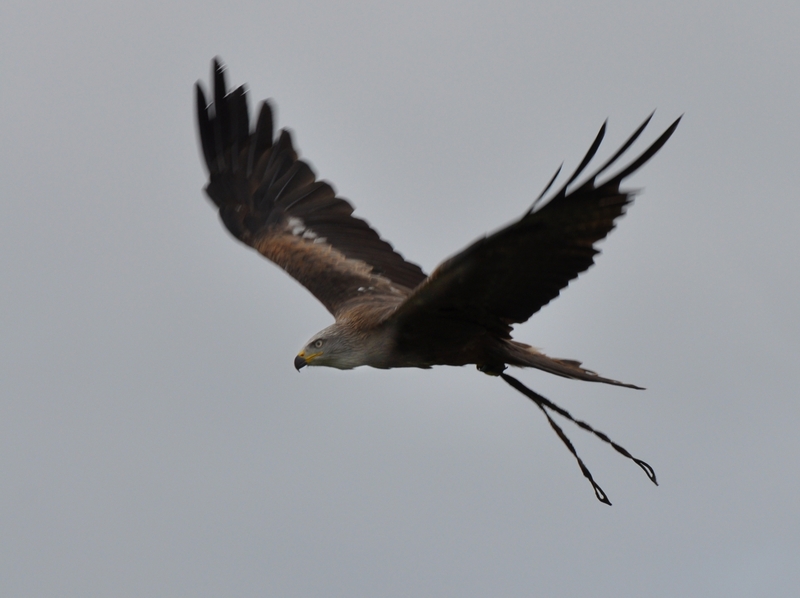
x=545, y=404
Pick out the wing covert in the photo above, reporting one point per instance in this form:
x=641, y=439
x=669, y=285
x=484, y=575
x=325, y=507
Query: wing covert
x=271, y=200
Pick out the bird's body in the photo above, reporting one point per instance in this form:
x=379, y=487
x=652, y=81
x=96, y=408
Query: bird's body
x=388, y=312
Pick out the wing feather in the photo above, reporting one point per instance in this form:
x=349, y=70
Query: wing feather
x=271, y=200
x=506, y=277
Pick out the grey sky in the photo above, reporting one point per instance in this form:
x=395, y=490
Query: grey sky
x=154, y=436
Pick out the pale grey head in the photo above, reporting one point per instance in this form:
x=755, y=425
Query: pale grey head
x=339, y=346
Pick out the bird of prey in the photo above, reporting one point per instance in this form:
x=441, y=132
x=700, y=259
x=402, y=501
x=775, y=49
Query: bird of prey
x=388, y=313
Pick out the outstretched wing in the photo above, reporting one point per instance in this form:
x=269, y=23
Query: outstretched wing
x=508, y=276
x=271, y=201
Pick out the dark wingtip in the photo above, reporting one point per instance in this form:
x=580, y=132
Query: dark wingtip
x=647, y=154
x=265, y=127
x=590, y=154
x=545, y=190
x=623, y=148
x=200, y=100
x=262, y=136
x=220, y=85
x=222, y=118
x=218, y=64
x=203, y=123
x=586, y=159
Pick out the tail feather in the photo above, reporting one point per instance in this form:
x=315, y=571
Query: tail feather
x=522, y=355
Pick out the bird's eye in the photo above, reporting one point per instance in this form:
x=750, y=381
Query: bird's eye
x=318, y=344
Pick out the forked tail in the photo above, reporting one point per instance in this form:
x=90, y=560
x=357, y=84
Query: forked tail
x=522, y=355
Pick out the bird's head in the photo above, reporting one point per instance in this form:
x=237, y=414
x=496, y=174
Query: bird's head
x=332, y=347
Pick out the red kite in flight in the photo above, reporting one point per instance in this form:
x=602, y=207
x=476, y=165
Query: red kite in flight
x=388, y=312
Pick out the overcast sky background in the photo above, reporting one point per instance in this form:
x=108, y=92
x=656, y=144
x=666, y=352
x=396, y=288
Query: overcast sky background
x=154, y=436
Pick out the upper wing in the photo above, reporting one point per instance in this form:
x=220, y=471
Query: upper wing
x=508, y=276
x=271, y=200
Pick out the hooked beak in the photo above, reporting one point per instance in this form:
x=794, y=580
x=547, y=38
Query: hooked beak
x=303, y=359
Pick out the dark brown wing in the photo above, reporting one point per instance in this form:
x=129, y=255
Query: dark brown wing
x=508, y=276
x=271, y=200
